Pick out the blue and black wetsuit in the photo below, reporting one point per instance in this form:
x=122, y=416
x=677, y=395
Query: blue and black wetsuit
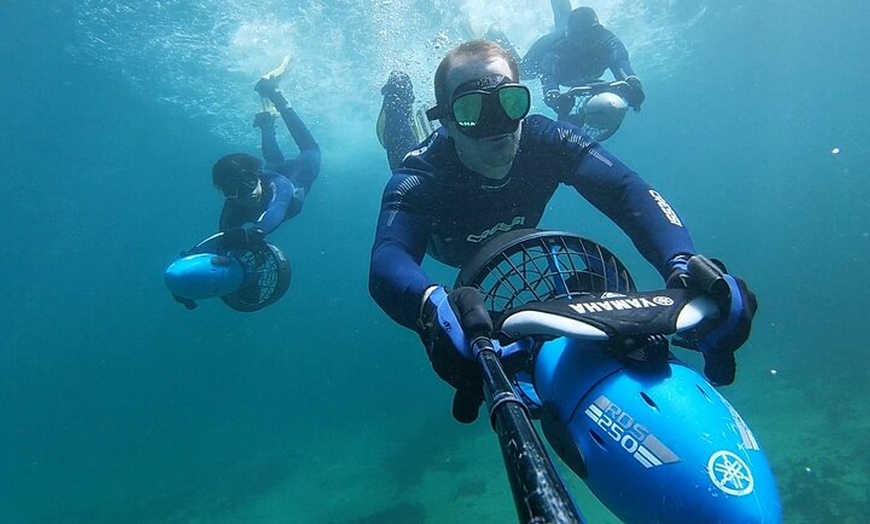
x=434, y=205
x=285, y=182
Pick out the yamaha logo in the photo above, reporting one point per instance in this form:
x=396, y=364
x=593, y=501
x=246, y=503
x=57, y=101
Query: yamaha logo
x=730, y=474
x=621, y=304
x=663, y=301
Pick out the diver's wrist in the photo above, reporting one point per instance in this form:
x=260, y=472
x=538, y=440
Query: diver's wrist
x=426, y=294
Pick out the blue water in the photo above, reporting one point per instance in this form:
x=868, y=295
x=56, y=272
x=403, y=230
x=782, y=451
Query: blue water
x=117, y=405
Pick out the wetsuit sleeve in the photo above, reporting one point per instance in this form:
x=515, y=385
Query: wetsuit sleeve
x=617, y=56
x=276, y=211
x=396, y=280
x=639, y=210
x=549, y=80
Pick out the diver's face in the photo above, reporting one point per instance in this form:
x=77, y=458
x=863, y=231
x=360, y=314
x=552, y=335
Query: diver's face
x=490, y=156
x=257, y=193
x=248, y=194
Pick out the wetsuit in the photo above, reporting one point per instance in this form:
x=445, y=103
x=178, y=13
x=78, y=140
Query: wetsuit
x=569, y=63
x=285, y=182
x=434, y=205
x=559, y=61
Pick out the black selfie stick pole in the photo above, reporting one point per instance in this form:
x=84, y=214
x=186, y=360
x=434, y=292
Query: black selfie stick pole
x=539, y=494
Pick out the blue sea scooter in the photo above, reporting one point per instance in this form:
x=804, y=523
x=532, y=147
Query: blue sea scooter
x=246, y=278
x=580, y=349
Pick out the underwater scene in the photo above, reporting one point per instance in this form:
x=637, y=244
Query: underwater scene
x=120, y=405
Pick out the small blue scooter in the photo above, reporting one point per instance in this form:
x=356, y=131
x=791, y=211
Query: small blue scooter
x=246, y=278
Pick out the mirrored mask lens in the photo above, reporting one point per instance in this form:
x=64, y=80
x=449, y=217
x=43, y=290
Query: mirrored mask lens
x=515, y=100
x=467, y=108
x=491, y=112
x=243, y=190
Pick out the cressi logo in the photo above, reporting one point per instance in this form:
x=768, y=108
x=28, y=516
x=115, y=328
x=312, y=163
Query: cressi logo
x=666, y=208
x=501, y=227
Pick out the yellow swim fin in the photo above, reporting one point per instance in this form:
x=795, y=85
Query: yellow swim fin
x=279, y=71
x=379, y=127
x=423, y=127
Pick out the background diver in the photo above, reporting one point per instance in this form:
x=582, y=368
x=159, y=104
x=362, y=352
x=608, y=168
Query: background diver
x=260, y=196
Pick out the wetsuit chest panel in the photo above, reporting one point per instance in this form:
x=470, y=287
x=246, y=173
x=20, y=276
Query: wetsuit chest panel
x=472, y=212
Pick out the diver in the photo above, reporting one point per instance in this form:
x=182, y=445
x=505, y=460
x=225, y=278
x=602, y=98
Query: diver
x=260, y=196
x=490, y=169
x=576, y=54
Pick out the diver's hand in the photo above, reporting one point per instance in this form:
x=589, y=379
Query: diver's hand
x=448, y=324
x=242, y=236
x=559, y=102
x=719, y=338
x=634, y=92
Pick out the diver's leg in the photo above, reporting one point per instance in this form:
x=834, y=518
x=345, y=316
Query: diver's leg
x=298, y=130
x=561, y=12
x=268, y=88
x=265, y=120
x=397, y=133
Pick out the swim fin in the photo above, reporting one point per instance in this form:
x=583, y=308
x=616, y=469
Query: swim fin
x=423, y=127
x=279, y=71
x=269, y=82
x=379, y=127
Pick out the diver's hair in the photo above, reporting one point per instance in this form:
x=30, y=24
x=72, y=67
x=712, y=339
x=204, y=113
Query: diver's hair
x=581, y=20
x=474, y=48
x=234, y=169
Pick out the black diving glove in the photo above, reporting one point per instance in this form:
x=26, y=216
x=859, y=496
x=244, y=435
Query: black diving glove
x=449, y=322
x=242, y=236
x=634, y=93
x=559, y=102
x=719, y=338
